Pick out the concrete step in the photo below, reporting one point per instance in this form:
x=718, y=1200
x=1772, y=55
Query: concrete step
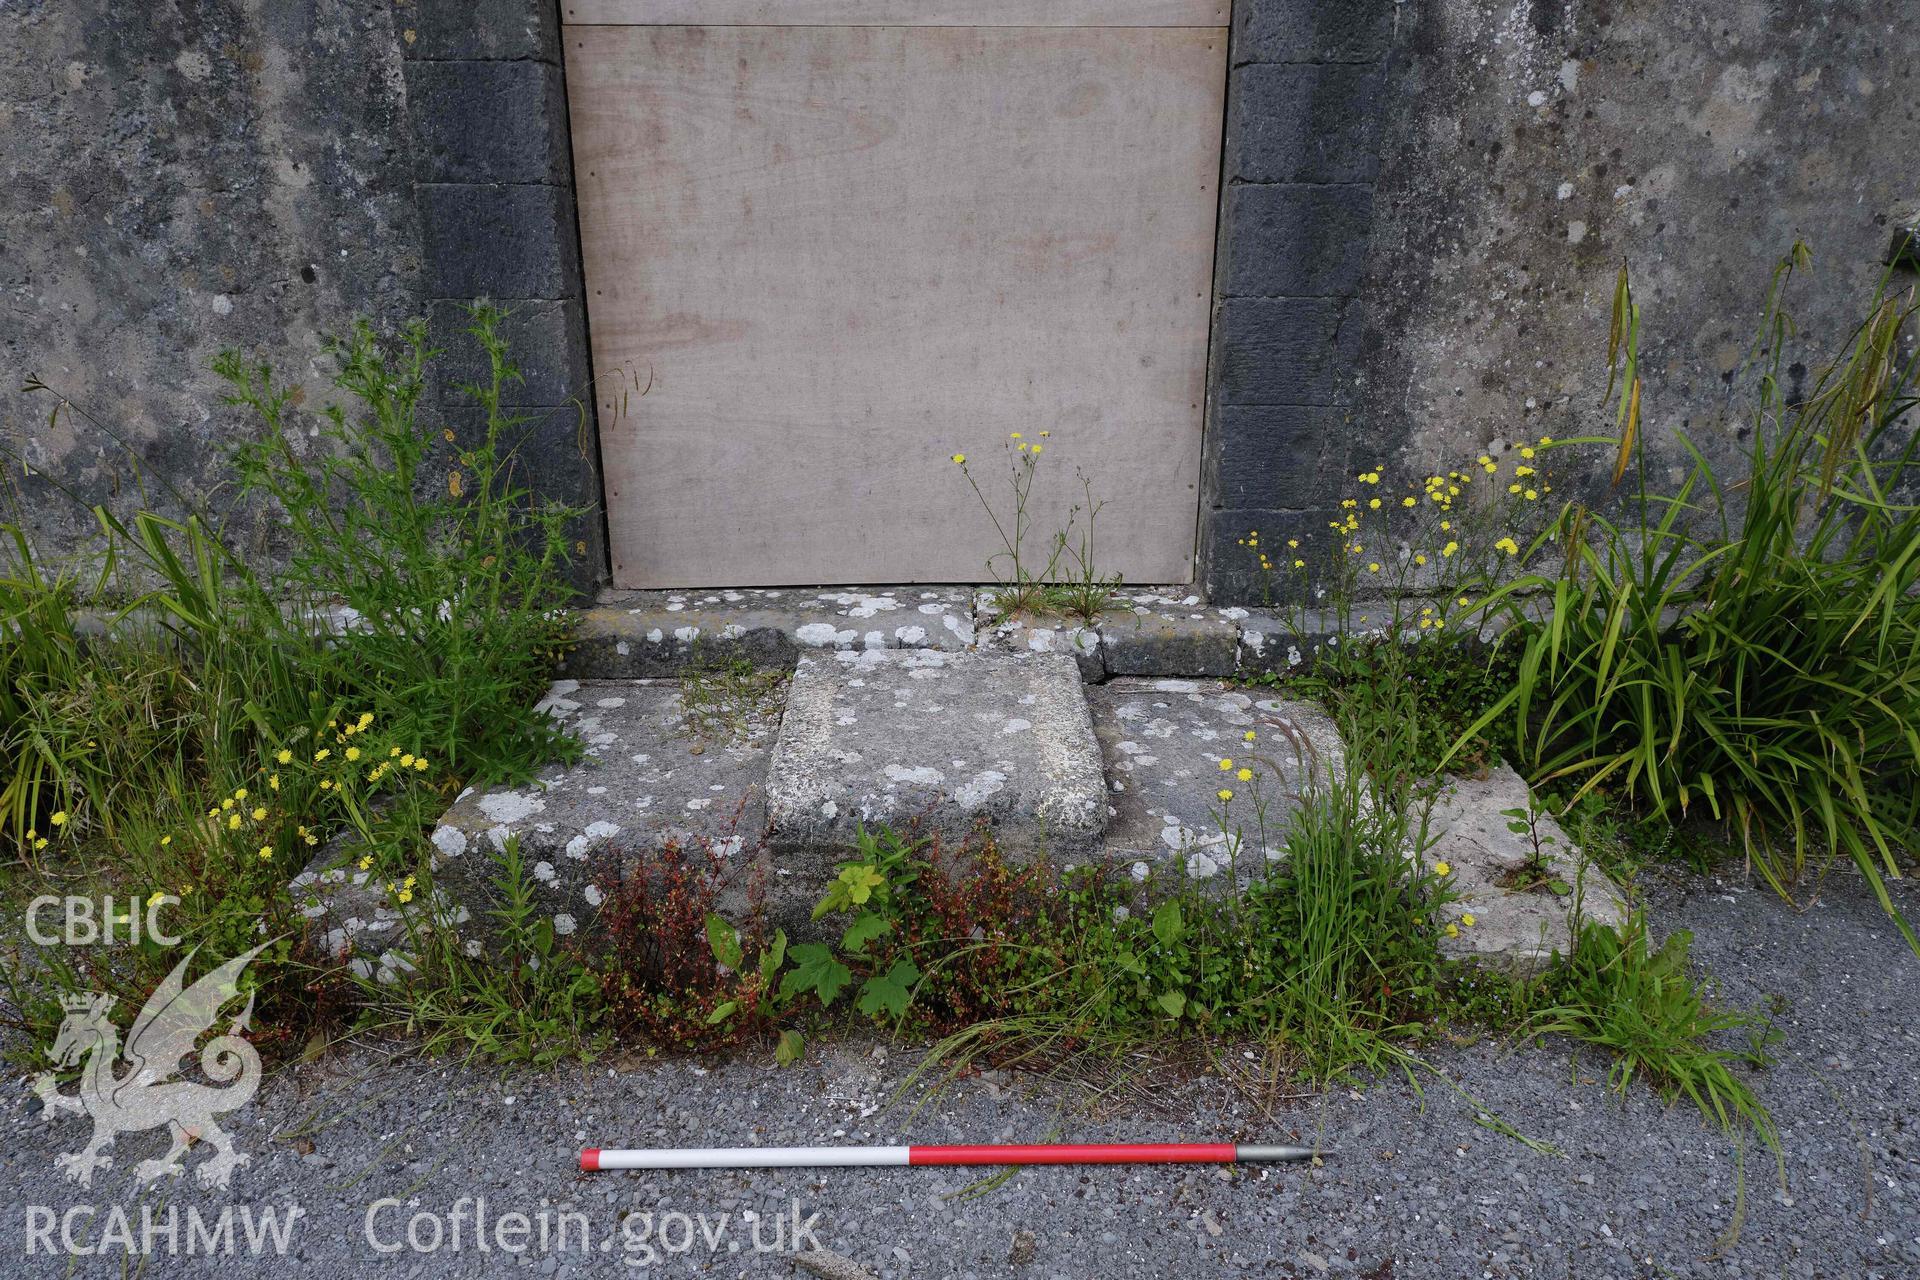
x=942, y=740
x=765, y=783
x=653, y=776
x=1164, y=743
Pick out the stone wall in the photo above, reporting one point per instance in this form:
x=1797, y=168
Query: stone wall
x=1509, y=156
x=254, y=174
x=1423, y=208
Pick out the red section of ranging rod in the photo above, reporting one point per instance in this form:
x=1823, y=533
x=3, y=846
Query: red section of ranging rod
x=1079, y=1153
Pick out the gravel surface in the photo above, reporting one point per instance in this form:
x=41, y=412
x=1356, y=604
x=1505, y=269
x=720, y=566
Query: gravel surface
x=1416, y=1189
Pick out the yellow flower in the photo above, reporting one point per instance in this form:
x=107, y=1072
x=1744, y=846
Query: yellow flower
x=1224, y=794
x=155, y=896
x=1507, y=545
x=1292, y=543
x=321, y=754
x=266, y=851
x=1546, y=440
x=1463, y=600
x=59, y=819
x=405, y=895
x=1299, y=564
x=366, y=718
x=1373, y=566
x=239, y=793
x=420, y=765
x=1450, y=548
x=1245, y=775
x=285, y=756
x=406, y=761
x=1532, y=494
x=165, y=841
x=353, y=753
x=227, y=803
x=1373, y=504
x=1421, y=558
x=366, y=862
x=1445, y=525
x=1249, y=735
x=960, y=459
x=1226, y=766
x=259, y=813
x=1443, y=868
x=233, y=823
x=1453, y=931
x=1407, y=502
x=274, y=782
x=1466, y=918
x=1526, y=451
x=1036, y=449
x=1013, y=435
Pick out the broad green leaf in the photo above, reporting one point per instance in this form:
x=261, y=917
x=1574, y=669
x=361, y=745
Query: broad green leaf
x=890, y=992
x=724, y=941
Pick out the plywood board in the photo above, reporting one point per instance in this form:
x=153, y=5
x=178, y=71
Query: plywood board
x=899, y=13
x=838, y=255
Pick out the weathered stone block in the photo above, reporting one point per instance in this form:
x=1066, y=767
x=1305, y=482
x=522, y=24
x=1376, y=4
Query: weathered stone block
x=658, y=633
x=556, y=457
x=1149, y=634
x=1232, y=571
x=1288, y=350
x=489, y=121
x=546, y=340
x=1049, y=635
x=1312, y=30
x=945, y=741
x=1519, y=930
x=1304, y=122
x=1279, y=457
x=1164, y=742
x=1299, y=240
x=499, y=241
x=480, y=29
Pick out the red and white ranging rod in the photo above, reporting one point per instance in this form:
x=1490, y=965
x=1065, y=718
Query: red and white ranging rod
x=596, y=1158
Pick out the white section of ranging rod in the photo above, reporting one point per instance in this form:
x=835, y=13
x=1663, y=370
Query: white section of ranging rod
x=744, y=1157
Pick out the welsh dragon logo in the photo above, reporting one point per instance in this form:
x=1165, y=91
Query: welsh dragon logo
x=151, y=1093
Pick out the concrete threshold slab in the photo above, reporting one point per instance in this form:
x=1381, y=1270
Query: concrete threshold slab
x=659, y=633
